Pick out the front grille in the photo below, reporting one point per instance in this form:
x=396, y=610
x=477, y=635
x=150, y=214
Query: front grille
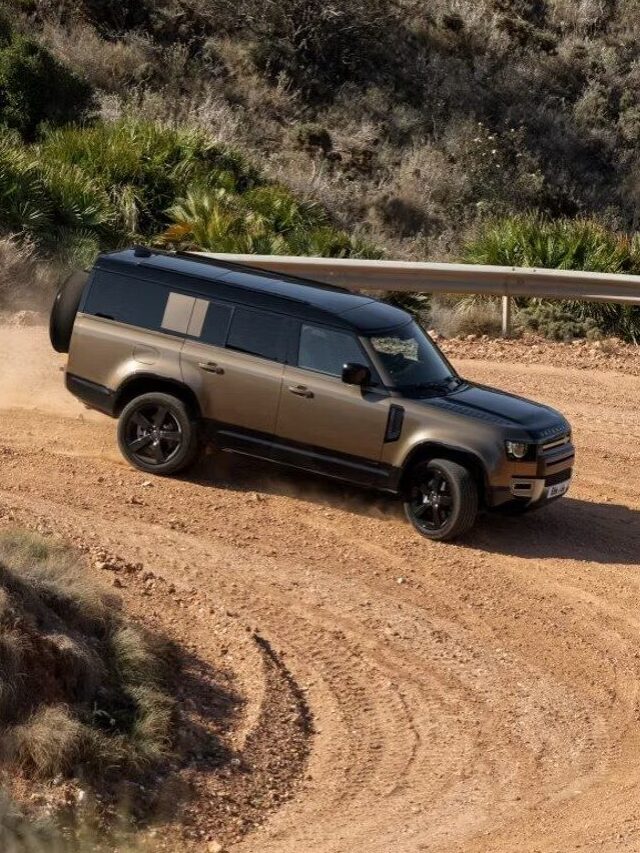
x=558, y=441
x=560, y=477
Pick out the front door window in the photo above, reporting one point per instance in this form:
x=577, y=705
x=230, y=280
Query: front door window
x=327, y=350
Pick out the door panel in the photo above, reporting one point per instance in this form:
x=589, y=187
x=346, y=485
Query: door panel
x=324, y=421
x=238, y=392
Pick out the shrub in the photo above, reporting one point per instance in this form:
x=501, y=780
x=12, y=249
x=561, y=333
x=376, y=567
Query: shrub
x=500, y=172
x=84, y=189
x=120, y=15
x=169, y=22
x=556, y=320
x=35, y=89
x=314, y=138
x=458, y=317
x=418, y=304
x=267, y=221
x=282, y=212
x=581, y=244
x=321, y=44
x=6, y=27
x=536, y=241
x=144, y=166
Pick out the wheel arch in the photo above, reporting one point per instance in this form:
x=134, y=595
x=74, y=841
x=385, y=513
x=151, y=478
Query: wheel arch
x=148, y=383
x=434, y=450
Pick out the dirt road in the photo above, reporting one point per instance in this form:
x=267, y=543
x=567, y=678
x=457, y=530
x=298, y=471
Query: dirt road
x=473, y=697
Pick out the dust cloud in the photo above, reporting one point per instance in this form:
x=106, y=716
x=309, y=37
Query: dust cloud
x=31, y=373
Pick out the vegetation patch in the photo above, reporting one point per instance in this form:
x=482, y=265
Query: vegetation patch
x=565, y=244
x=83, y=691
x=35, y=88
x=86, y=704
x=375, y=124
x=81, y=190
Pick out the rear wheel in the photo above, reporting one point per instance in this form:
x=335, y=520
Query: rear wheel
x=157, y=434
x=442, y=501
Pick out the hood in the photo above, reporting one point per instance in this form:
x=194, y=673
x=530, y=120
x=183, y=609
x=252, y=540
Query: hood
x=502, y=409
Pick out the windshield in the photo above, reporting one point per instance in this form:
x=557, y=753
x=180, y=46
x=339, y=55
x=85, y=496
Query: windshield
x=411, y=361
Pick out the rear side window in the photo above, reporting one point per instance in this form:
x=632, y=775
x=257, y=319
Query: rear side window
x=259, y=333
x=216, y=324
x=127, y=300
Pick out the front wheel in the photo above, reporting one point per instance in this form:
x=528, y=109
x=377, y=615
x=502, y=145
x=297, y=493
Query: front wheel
x=157, y=435
x=442, y=500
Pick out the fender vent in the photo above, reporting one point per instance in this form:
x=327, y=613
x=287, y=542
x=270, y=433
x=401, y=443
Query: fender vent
x=394, y=424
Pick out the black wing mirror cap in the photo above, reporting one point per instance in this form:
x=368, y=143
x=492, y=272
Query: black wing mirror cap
x=356, y=374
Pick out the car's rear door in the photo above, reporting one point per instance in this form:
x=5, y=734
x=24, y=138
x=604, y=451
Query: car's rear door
x=234, y=360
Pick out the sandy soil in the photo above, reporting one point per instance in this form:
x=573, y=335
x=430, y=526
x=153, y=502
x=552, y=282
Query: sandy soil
x=474, y=697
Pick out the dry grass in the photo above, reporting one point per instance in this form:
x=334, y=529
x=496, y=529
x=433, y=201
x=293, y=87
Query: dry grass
x=50, y=742
x=21, y=834
x=90, y=738
x=108, y=65
x=208, y=112
x=455, y=318
x=82, y=690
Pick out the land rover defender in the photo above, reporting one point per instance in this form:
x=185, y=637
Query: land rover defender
x=184, y=350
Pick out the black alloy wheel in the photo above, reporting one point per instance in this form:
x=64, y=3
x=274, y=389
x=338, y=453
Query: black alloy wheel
x=157, y=435
x=442, y=499
x=153, y=435
x=432, y=502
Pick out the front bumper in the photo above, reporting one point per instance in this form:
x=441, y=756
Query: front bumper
x=534, y=483
x=540, y=490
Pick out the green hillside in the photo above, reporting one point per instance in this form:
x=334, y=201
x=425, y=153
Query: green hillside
x=341, y=128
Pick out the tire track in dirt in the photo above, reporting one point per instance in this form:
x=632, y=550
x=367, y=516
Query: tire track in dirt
x=471, y=697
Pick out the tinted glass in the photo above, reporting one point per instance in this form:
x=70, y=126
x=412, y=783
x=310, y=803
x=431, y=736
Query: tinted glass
x=327, y=351
x=409, y=358
x=258, y=333
x=216, y=324
x=127, y=300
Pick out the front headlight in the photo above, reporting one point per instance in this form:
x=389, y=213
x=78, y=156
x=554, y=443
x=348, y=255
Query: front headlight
x=516, y=449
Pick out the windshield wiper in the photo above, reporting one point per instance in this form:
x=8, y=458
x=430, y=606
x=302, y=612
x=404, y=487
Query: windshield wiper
x=458, y=380
x=434, y=385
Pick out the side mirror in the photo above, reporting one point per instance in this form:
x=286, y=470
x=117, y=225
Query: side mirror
x=356, y=374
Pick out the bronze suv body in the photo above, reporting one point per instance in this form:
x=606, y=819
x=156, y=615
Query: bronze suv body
x=303, y=375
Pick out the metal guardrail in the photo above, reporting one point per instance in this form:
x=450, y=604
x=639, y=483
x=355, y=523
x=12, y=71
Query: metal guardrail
x=413, y=277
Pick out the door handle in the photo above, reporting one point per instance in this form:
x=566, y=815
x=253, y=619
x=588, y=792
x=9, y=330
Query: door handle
x=210, y=367
x=301, y=391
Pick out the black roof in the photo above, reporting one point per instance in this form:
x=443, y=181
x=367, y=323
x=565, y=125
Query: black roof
x=258, y=288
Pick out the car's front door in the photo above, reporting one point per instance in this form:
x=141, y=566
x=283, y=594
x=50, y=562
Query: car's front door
x=323, y=423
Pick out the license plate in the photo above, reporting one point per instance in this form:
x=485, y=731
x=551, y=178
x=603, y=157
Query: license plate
x=558, y=489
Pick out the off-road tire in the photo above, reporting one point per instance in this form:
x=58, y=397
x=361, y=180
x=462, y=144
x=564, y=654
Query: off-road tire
x=64, y=310
x=157, y=455
x=462, y=490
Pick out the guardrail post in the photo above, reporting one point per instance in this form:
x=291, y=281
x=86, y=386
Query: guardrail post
x=506, y=316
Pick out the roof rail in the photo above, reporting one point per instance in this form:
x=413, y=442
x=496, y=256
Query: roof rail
x=246, y=264
x=242, y=263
